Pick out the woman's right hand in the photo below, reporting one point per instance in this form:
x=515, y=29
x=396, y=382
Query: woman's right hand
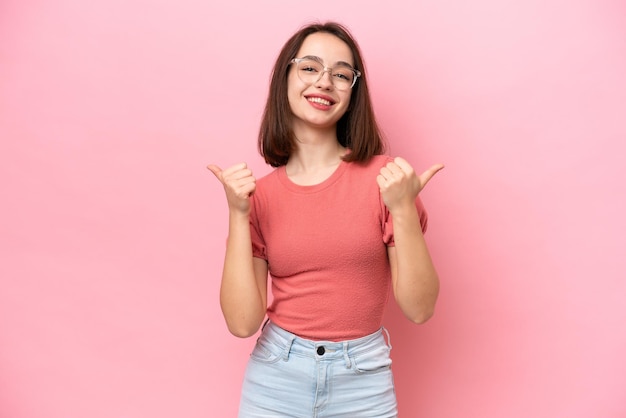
x=239, y=184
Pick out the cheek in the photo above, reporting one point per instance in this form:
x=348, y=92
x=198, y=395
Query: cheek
x=291, y=97
x=348, y=100
x=293, y=83
x=294, y=89
x=345, y=102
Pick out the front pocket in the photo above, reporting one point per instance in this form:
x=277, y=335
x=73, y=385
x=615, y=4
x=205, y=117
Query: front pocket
x=373, y=361
x=265, y=352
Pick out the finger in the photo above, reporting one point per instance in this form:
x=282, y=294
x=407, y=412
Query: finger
x=242, y=182
x=428, y=174
x=386, y=173
x=234, y=168
x=238, y=175
x=216, y=171
x=248, y=189
x=403, y=165
x=382, y=181
x=395, y=169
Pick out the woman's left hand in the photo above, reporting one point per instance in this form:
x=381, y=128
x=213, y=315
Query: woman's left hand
x=400, y=185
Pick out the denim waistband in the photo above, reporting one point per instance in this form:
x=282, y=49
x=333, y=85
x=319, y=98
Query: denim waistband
x=323, y=350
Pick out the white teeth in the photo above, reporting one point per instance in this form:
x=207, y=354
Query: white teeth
x=319, y=100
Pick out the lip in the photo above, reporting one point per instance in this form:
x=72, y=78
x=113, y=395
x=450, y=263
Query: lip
x=328, y=99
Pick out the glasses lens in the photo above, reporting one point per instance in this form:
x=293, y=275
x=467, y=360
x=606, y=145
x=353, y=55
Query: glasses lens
x=343, y=77
x=310, y=71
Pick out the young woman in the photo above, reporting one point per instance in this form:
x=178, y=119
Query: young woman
x=336, y=224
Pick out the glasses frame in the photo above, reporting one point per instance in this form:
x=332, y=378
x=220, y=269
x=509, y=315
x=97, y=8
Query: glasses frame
x=356, y=72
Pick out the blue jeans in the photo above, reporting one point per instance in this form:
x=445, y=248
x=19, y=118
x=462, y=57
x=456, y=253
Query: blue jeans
x=288, y=376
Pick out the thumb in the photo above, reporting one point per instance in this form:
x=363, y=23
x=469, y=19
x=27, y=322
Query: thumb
x=216, y=171
x=428, y=174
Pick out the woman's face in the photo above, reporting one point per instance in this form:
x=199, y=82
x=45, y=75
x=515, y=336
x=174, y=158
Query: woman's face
x=320, y=104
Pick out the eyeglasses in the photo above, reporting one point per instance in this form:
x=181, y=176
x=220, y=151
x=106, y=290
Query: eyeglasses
x=310, y=70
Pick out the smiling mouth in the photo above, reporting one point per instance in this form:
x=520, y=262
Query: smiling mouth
x=319, y=100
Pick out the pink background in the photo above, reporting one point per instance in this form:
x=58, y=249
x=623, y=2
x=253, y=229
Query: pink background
x=112, y=230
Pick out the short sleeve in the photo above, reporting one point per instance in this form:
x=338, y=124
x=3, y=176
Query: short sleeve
x=258, y=243
x=388, y=221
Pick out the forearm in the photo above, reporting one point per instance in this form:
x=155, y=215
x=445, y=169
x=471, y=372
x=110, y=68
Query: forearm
x=243, y=292
x=416, y=284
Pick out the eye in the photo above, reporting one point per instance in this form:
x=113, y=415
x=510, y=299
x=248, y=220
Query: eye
x=344, y=74
x=309, y=66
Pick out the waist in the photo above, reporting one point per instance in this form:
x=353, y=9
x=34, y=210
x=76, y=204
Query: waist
x=294, y=344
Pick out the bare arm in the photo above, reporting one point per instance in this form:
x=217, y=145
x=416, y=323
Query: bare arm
x=414, y=278
x=243, y=292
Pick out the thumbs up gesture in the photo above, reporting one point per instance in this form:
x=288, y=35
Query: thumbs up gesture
x=399, y=184
x=239, y=184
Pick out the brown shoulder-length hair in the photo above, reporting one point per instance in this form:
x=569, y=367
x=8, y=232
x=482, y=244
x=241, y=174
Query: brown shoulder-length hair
x=357, y=129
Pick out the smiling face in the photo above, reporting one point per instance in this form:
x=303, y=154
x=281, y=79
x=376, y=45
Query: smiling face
x=319, y=105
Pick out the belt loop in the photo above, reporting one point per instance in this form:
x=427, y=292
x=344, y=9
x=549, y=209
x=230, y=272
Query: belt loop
x=287, y=349
x=265, y=323
x=388, y=338
x=346, y=357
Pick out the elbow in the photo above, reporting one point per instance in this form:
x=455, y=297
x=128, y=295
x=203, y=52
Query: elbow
x=421, y=317
x=418, y=311
x=243, y=326
x=242, y=323
x=241, y=330
x=242, y=333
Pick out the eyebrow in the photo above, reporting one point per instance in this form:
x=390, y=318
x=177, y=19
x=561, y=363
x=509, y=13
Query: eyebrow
x=321, y=61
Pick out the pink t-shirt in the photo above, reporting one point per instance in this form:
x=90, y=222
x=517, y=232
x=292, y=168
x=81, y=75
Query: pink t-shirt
x=326, y=248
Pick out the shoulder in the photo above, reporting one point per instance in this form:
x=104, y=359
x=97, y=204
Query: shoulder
x=374, y=164
x=267, y=186
x=381, y=160
x=269, y=178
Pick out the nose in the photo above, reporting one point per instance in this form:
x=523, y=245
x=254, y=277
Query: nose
x=325, y=82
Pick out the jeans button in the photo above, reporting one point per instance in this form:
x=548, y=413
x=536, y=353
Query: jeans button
x=321, y=350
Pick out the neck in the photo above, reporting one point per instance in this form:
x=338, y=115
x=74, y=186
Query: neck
x=315, y=149
x=313, y=161
x=311, y=156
